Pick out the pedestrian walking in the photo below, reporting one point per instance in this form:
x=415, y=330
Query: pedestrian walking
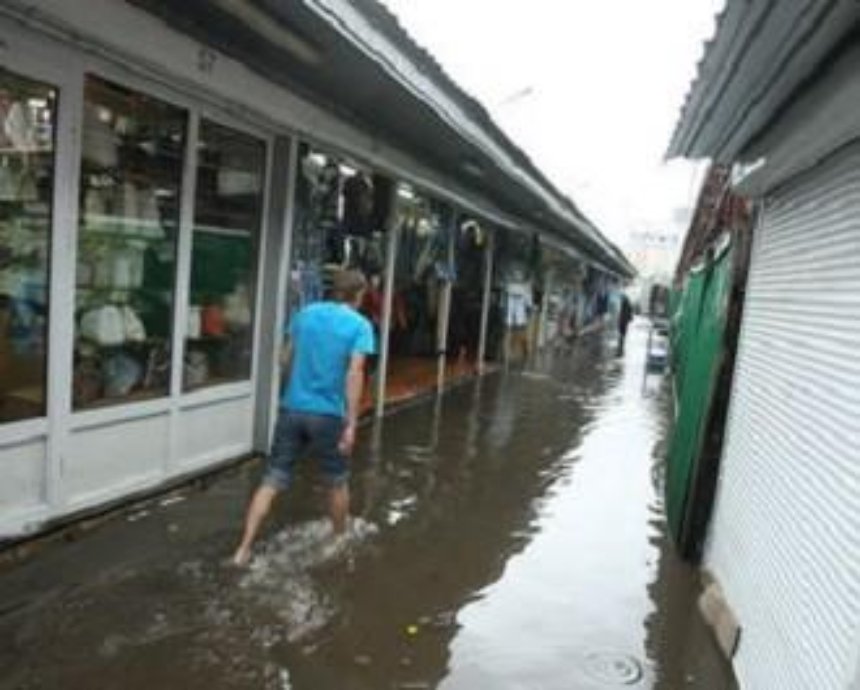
x=625, y=316
x=329, y=342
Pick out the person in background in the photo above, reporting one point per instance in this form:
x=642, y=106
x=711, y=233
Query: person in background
x=325, y=357
x=625, y=316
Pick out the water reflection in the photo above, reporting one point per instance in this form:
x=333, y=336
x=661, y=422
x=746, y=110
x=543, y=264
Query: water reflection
x=507, y=535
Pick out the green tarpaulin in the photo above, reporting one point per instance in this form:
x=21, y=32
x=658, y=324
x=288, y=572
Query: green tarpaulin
x=698, y=336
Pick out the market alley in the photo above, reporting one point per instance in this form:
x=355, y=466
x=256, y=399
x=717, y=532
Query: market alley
x=507, y=535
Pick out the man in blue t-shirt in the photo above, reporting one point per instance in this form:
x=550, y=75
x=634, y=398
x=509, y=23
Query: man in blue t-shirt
x=329, y=342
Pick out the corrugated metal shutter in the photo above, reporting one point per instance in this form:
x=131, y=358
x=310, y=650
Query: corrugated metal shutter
x=785, y=541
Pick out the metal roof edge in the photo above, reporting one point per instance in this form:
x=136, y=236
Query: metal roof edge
x=377, y=33
x=760, y=56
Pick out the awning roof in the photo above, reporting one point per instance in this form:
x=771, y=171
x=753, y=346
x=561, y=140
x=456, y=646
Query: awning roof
x=353, y=58
x=761, y=56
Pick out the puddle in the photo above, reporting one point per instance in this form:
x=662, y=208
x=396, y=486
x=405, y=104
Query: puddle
x=516, y=527
x=613, y=669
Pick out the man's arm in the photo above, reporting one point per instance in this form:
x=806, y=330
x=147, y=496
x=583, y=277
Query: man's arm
x=354, y=390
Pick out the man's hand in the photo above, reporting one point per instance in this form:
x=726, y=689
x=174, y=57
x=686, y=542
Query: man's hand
x=347, y=439
x=354, y=388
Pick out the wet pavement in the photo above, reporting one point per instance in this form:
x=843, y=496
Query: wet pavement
x=509, y=535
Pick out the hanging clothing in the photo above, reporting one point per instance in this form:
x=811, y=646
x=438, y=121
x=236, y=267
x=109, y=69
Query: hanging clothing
x=518, y=305
x=358, y=205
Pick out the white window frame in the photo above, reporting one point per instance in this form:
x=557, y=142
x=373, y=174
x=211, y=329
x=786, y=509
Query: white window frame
x=175, y=398
x=65, y=68
x=233, y=389
x=37, y=59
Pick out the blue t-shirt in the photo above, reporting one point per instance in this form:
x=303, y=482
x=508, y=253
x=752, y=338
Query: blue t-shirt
x=324, y=337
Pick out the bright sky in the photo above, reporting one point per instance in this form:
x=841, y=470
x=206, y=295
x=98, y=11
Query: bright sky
x=600, y=86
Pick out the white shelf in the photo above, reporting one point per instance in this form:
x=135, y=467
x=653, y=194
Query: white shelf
x=225, y=232
x=127, y=227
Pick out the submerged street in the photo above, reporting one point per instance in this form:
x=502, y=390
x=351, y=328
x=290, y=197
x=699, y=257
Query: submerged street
x=508, y=535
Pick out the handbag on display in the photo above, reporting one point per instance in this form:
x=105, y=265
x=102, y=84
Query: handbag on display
x=17, y=181
x=18, y=127
x=147, y=212
x=104, y=326
x=121, y=269
x=157, y=368
x=8, y=181
x=213, y=323
x=86, y=383
x=102, y=273
x=195, y=371
x=135, y=332
x=121, y=374
x=194, y=327
x=233, y=182
x=99, y=140
x=237, y=307
x=130, y=203
x=95, y=203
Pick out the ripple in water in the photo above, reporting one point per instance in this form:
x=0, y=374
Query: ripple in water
x=613, y=668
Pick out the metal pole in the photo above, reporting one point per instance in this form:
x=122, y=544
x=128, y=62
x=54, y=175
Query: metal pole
x=485, y=302
x=542, y=326
x=387, y=301
x=444, y=316
x=276, y=264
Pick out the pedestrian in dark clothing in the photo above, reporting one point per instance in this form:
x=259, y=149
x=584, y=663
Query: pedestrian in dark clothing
x=625, y=316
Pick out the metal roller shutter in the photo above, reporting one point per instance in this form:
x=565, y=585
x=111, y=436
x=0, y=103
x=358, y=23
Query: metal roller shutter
x=785, y=541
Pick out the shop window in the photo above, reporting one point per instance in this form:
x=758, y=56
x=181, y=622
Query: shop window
x=341, y=211
x=131, y=173
x=27, y=114
x=227, y=217
x=420, y=274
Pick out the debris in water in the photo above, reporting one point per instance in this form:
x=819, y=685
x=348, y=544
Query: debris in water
x=139, y=515
x=170, y=500
x=444, y=620
x=362, y=660
x=411, y=630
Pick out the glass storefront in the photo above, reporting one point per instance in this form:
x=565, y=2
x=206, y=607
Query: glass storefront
x=130, y=191
x=228, y=212
x=340, y=215
x=419, y=275
x=28, y=116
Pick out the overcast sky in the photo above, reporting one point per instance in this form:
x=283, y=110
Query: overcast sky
x=590, y=89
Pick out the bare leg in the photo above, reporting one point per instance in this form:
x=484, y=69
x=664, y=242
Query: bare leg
x=338, y=506
x=258, y=509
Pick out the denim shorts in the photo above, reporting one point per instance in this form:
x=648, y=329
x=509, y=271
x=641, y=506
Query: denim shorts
x=299, y=435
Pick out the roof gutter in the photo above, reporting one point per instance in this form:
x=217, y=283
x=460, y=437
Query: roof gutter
x=344, y=18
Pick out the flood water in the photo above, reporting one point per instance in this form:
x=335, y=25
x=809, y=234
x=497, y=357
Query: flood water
x=509, y=535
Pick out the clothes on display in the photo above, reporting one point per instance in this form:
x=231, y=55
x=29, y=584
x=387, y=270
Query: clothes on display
x=358, y=205
x=519, y=305
x=337, y=219
x=131, y=173
x=27, y=115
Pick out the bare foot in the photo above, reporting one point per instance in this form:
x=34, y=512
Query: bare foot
x=242, y=557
